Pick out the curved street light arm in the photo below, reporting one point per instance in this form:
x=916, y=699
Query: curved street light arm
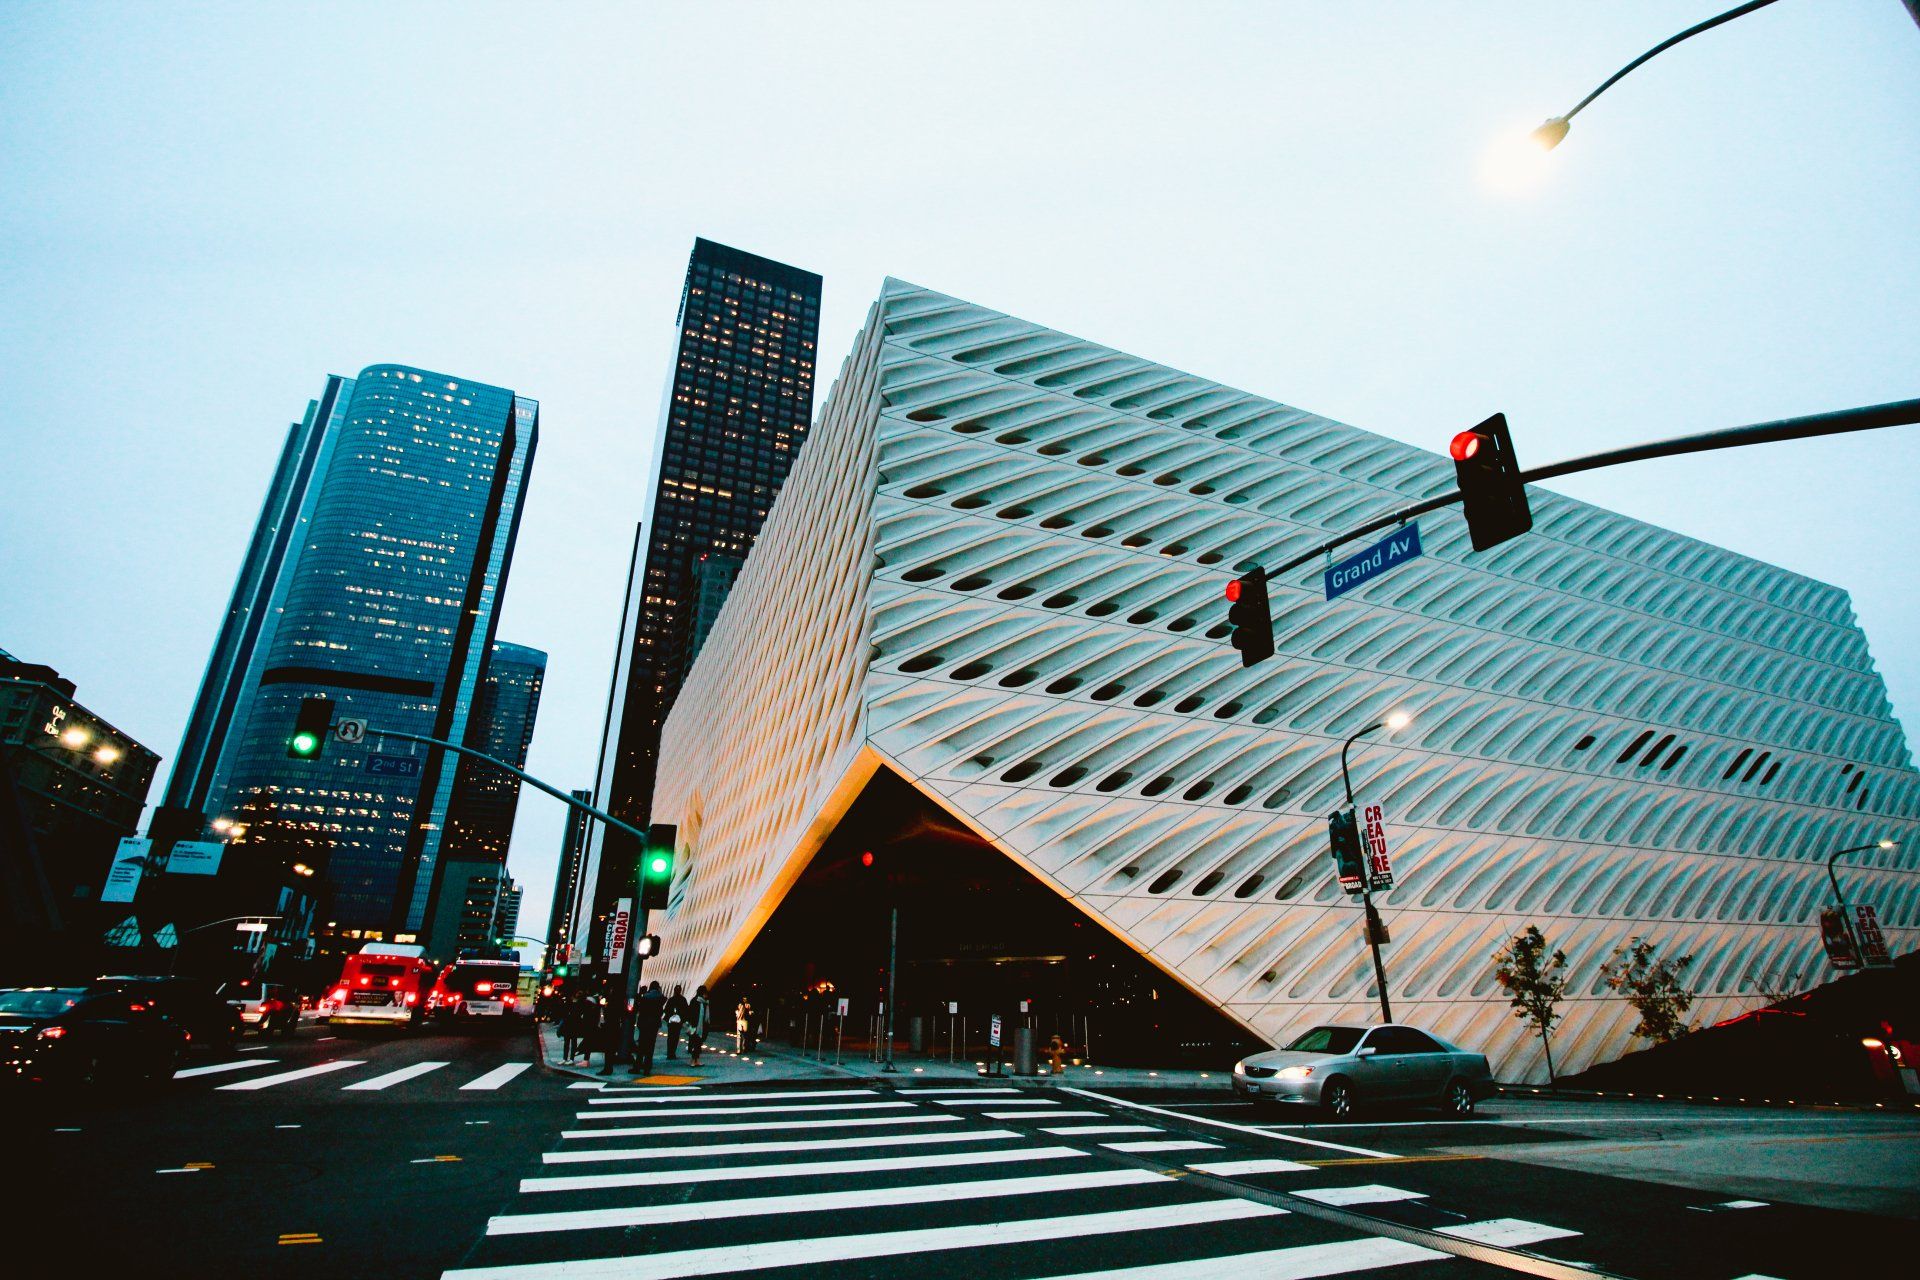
x=1662, y=47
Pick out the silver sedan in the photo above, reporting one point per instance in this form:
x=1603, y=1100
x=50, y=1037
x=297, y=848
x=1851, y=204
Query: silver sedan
x=1335, y=1068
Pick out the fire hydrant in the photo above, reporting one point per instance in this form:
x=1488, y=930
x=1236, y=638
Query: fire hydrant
x=1056, y=1054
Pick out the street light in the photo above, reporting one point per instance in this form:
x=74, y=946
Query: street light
x=1549, y=135
x=1838, y=854
x=1392, y=723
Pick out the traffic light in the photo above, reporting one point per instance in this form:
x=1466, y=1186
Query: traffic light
x=563, y=971
x=656, y=866
x=1491, y=493
x=648, y=946
x=310, y=728
x=1250, y=619
x=1343, y=834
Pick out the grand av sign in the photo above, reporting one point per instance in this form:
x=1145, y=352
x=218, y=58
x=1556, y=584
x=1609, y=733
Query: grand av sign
x=1364, y=566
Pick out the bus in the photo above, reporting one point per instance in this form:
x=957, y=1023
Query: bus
x=383, y=983
x=471, y=989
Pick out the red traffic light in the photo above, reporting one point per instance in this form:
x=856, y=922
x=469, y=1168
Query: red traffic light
x=866, y=859
x=1466, y=445
x=1233, y=591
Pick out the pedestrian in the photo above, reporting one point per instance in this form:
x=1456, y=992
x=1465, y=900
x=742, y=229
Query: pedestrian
x=741, y=1012
x=576, y=1023
x=613, y=1030
x=647, y=1012
x=676, y=1015
x=699, y=1015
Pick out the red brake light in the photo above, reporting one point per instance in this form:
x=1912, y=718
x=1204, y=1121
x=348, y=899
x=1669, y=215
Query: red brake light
x=506, y=999
x=481, y=988
x=1465, y=445
x=341, y=994
x=52, y=1033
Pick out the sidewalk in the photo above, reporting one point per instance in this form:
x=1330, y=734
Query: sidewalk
x=720, y=1065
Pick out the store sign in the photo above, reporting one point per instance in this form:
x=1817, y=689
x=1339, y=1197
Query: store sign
x=1373, y=839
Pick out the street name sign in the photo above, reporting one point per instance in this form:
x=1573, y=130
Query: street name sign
x=393, y=766
x=1368, y=563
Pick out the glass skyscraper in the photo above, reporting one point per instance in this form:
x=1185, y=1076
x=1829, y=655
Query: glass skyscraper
x=373, y=579
x=735, y=417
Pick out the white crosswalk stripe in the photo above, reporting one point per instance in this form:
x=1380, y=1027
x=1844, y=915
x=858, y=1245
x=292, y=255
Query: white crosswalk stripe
x=700, y=1100
x=1240, y=1168
x=1168, y=1144
x=773, y=1148
x=498, y=1076
x=759, y=1126
x=1358, y=1195
x=392, y=1078
x=802, y=1169
x=1296, y=1263
x=1089, y=1130
x=1509, y=1233
x=304, y=1073
x=777, y=1109
x=219, y=1067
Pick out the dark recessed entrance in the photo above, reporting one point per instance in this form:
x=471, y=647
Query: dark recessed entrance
x=976, y=930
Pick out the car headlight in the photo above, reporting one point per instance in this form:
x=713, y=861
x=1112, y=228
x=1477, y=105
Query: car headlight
x=1239, y=1068
x=1295, y=1073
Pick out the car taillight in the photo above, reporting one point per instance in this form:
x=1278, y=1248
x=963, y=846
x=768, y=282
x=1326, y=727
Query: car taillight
x=410, y=997
x=506, y=999
x=341, y=994
x=52, y=1033
x=453, y=997
x=481, y=988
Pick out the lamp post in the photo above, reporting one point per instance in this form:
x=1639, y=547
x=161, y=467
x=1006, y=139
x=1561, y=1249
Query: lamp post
x=173, y=963
x=1549, y=134
x=1396, y=721
x=1834, y=880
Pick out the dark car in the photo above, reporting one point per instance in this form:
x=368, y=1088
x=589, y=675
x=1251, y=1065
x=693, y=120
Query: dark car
x=267, y=1007
x=71, y=1035
x=208, y=1020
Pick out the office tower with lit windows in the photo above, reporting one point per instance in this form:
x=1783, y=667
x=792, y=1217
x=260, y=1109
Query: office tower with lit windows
x=735, y=416
x=373, y=579
x=566, y=879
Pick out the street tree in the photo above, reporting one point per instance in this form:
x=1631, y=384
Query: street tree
x=1653, y=985
x=1535, y=981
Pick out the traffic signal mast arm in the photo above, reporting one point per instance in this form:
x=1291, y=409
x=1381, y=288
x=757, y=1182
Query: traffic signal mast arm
x=1898, y=413
x=521, y=774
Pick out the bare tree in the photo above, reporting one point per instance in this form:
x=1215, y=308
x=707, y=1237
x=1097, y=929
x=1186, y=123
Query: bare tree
x=1535, y=981
x=1653, y=986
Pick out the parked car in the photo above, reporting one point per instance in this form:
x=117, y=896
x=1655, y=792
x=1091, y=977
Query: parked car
x=208, y=1020
x=267, y=1007
x=1336, y=1068
x=73, y=1035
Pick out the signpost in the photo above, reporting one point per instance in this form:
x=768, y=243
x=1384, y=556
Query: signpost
x=1368, y=563
x=1374, y=836
x=993, y=1031
x=123, y=877
x=350, y=729
x=617, y=932
x=195, y=858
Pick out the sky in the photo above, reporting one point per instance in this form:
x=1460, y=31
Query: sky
x=208, y=208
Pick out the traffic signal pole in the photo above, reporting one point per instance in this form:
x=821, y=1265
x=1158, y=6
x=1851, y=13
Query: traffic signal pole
x=1366, y=883
x=1898, y=413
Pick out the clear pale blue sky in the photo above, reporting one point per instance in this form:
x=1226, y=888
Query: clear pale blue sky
x=208, y=208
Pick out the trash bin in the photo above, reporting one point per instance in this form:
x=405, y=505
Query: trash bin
x=916, y=1034
x=1024, y=1063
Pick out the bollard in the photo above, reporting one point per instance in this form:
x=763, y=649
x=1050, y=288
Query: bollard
x=1025, y=1062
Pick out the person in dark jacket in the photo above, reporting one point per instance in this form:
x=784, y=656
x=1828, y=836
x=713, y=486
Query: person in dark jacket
x=699, y=1023
x=647, y=1012
x=576, y=1025
x=676, y=1015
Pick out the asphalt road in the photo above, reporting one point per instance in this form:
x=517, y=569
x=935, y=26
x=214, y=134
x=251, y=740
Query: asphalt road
x=455, y=1157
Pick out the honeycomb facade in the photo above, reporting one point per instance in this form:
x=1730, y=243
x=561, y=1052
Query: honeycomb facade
x=997, y=570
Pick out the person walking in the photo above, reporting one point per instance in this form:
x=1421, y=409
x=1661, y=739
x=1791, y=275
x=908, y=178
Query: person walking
x=575, y=1024
x=676, y=1013
x=699, y=1016
x=647, y=1012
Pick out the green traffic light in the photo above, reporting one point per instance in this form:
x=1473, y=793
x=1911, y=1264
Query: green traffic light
x=659, y=866
x=305, y=743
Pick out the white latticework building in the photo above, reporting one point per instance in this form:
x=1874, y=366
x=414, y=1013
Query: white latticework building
x=997, y=571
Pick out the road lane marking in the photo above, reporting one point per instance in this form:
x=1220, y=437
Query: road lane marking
x=996, y=1102
x=1043, y=1115
x=286, y=1126
x=1370, y=1194
x=1506, y=1233
x=498, y=1076
x=1334, y=1164
x=191, y=1166
x=1238, y=1168
x=392, y=1078
x=1228, y=1124
x=1090, y=1129
x=267, y=1082
x=253, y=1048
x=299, y=1237
x=1741, y=1204
x=243, y=1065
x=1296, y=1263
x=436, y=1160
x=729, y=1097
x=744, y=1111
x=654, y=1130
x=1172, y=1144
x=917, y=1090
x=883, y=1244
x=812, y=1202
x=586, y=1084
x=800, y=1169
x=772, y=1148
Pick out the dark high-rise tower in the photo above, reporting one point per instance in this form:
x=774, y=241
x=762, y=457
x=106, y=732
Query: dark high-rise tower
x=735, y=417
x=566, y=878
x=373, y=579
x=480, y=817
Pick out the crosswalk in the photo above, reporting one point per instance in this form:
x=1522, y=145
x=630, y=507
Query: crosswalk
x=258, y=1077
x=925, y=1182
